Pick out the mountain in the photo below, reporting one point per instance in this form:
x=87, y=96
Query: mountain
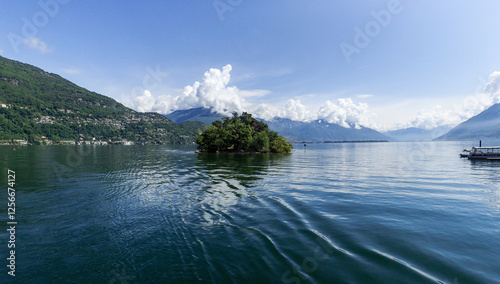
x=200, y=114
x=319, y=131
x=485, y=125
x=417, y=134
x=36, y=106
x=316, y=131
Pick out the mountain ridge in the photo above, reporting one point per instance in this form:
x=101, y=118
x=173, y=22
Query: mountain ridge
x=41, y=107
x=485, y=125
x=414, y=134
x=297, y=131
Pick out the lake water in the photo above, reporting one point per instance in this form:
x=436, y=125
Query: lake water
x=327, y=213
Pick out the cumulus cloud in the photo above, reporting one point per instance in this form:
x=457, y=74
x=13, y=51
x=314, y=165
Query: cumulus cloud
x=263, y=111
x=345, y=113
x=434, y=117
x=493, y=86
x=145, y=102
x=37, y=44
x=459, y=112
x=214, y=92
x=294, y=110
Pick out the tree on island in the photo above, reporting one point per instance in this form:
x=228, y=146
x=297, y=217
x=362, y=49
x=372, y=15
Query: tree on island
x=241, y=133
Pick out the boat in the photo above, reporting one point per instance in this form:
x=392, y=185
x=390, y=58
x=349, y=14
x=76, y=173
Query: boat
x=465, y=153
x=484, y=153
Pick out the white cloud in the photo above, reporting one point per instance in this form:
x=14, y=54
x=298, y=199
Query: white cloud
x=459, y=112
x=1, y=51
x=493, y=86
x=345, y=113
x=37, y=44
x=294, y=110
x=263, y=111
x=214, y=92
x=145, y=102
x=434, y=117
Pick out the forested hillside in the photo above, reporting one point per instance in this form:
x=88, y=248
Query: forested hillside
x=42, y=107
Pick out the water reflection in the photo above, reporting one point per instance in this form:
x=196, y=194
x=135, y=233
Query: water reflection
x=231, y=178
x=245, y=170
x=477, y=164
x=488, y=173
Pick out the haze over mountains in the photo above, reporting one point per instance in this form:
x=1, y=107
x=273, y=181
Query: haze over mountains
x=485, y=125
x=417, y=134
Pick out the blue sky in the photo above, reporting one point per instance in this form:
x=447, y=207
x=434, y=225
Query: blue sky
x=385, y=64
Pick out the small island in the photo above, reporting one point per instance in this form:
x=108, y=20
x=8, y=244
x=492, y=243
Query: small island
x=241, y=134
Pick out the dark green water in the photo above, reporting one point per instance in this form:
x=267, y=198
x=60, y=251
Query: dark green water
x=331, y=213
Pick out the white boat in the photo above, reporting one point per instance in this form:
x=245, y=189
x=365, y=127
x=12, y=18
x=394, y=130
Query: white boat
x=484, y=153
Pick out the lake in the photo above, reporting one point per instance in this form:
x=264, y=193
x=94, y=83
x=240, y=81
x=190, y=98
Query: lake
x=326, y=213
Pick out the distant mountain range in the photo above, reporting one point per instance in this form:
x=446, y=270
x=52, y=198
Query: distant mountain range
x=485, y=125
x=296, y=131
x=417, y=134
x=200, y=114
x=41, y=107
x=318, y=130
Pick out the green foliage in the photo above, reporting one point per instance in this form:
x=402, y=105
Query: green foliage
x=241, y=133
x=280, y=145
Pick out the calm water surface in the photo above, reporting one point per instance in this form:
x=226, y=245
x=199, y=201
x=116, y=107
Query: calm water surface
x=331, y=213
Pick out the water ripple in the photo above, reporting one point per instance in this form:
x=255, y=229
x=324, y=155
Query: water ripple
x=332, y=213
